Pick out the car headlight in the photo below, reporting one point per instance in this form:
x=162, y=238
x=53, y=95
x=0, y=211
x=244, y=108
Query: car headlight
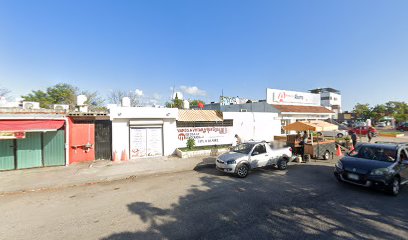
x=339, y=165
x=380, y=171
x=231, y=161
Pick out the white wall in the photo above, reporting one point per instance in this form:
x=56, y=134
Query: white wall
x=142, y=112
x=334, y=99
x=254, y=125
x=169, y=136
x=120, y=136
x=121, y=116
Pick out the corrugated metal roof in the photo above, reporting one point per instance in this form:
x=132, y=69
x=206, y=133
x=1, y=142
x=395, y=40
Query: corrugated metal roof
x=200, y=116
x=301, y=109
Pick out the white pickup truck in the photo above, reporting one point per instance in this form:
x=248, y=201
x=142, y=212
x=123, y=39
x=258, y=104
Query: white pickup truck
x=250, y=155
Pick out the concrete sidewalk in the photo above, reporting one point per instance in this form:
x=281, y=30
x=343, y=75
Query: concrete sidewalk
x=93, y=172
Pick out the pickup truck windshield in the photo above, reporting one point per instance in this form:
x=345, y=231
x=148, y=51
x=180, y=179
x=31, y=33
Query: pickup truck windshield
x=376, y=153
x=244, y=148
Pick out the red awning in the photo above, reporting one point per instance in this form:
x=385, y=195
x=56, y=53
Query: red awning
x=30, y=125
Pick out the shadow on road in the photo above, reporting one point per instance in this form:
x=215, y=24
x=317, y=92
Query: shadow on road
x=304, y=202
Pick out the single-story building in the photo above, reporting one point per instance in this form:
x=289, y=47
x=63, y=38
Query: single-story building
x=143, y=132
x=30, y=139
x=90, y=137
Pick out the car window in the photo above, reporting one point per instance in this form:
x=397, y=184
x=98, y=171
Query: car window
x=376, y=153
x=244, y=148
x=260, y=149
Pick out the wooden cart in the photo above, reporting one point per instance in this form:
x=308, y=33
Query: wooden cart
x=325, y=149
x=316, y=148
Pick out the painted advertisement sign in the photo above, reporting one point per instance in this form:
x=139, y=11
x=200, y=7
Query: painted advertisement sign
x=205, y=136
x=276, y=96
x=145, y=142
x=137, y=143
x=154, y=142
x=12, y=135
x=232, y=100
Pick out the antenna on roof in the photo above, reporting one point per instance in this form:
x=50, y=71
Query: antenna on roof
x=172, y=94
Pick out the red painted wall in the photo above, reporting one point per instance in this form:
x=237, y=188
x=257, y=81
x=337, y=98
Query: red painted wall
x=81, y=134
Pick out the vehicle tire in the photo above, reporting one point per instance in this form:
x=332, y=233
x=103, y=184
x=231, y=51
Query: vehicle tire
x=282, y=164
x=340, y=135
x=242, y=170
x=326, y=155
x=395, y=187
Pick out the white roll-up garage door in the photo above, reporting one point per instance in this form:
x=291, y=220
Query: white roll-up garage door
x=146, y=141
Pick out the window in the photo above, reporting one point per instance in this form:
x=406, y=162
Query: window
x=376, y=153
x=260, y=149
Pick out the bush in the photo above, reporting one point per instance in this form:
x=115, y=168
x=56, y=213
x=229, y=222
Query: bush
x=190, y=143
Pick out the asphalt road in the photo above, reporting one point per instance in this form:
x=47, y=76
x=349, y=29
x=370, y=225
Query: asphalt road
x=305, y=202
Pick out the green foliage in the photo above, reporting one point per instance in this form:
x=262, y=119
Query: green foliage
x=190, y=143
x=362, y=111
x=175, y=103
x=59, y=94
x=378, y=112
x=63, y=93
x=398, y=110
x=206, y=147
x=194, y=103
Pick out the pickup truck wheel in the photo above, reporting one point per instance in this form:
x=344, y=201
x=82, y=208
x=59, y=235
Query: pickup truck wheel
x=242, y=170
x=394, y=188
x=282, y=164
x=340, y=135
x=326, y=155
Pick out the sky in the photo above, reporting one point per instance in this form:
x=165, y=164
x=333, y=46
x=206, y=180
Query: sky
x=206, y=47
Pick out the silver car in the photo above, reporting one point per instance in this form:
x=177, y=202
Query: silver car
x=250, y=155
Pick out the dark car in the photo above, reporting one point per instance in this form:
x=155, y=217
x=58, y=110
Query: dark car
x=403, y=127
x=380, y=165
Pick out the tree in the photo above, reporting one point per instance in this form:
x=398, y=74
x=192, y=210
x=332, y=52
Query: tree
x=4, y=92
x=194, y=103
x=378, y=112
x=95, y=102
x=116, y=97
x=175, y=103
x=63, y=93
x=362, y=111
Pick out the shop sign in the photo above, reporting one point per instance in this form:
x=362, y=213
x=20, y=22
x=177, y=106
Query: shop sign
x=275, y=96
x=12, y=135
x=204, y=136
x=232, y=100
